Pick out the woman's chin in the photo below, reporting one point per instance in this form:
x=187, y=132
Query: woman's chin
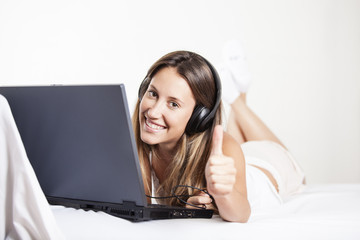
x=148, y=140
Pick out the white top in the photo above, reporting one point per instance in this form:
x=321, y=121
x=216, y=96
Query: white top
x=155, y=184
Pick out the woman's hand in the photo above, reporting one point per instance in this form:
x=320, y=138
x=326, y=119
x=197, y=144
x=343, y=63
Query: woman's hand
x=220, y=171
x=200, y=199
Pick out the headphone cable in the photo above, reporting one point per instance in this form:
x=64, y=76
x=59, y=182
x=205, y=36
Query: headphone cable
x=179, y=196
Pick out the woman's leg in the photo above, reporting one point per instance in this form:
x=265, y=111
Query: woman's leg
x=244, y=125
x=234, y=129
x=251, y=127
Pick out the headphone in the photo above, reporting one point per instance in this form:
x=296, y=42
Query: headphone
x=201, y=117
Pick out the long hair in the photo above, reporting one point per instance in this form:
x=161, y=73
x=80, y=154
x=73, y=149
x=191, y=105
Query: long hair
x=193, y=151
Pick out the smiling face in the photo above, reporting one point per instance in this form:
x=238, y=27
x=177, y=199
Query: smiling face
x=165, y=109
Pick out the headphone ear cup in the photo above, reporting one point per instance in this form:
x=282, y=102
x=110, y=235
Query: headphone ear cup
x=202, y=117
x=196, y=122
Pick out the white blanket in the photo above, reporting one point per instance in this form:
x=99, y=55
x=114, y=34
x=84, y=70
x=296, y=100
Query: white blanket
x=24, y=211
x=320, y=212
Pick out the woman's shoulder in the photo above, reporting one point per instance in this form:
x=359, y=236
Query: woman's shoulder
x=230, y=146
x=229, y=140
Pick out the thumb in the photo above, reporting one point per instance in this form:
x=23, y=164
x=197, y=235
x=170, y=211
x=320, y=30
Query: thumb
x=217, y=140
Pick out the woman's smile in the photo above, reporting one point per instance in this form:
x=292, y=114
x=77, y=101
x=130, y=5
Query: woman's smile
x=152, y=126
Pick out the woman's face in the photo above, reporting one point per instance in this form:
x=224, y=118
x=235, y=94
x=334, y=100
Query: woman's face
x=165, y=109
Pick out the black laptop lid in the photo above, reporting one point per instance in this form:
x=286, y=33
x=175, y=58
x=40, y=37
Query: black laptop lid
x=79, y=140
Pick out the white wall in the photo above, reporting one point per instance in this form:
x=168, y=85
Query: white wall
x=304, y=56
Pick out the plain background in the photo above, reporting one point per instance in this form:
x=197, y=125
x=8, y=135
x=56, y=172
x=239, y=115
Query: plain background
x=304, y=56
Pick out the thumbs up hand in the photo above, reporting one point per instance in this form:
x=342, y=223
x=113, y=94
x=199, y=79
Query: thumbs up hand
x=220, y=171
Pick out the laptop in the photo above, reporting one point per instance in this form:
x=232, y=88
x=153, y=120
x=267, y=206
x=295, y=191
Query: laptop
x=80, y=142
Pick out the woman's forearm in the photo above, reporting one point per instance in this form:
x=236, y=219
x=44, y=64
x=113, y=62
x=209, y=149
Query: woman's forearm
x=233, y=207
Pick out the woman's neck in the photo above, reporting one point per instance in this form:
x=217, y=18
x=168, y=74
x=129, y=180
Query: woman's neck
x=160, y=162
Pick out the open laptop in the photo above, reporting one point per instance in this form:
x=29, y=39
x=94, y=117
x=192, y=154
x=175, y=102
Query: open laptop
x=80, y=142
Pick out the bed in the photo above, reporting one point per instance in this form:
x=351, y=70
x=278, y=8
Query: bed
x=329, y=211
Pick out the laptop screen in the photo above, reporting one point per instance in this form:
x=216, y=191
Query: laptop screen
x=79, y=140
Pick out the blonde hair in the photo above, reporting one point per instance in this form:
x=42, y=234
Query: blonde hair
x=193, y=151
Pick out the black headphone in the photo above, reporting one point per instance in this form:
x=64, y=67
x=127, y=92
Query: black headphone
x=201, y=117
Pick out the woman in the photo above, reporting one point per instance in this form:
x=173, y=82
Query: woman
x=175, y=87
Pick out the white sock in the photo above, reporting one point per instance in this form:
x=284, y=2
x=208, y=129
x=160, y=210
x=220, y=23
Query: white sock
x=229, y=90
x=235, y=60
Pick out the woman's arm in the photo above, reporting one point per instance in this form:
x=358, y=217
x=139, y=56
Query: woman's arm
x=226, y=179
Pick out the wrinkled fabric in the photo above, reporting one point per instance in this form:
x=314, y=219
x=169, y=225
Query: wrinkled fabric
x=24, y=210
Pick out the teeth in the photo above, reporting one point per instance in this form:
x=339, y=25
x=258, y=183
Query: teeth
x=153, y=126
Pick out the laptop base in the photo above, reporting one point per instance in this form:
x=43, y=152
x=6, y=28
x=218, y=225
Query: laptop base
x=132, y=212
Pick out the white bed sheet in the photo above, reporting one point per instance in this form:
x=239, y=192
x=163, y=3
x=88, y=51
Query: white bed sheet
x=320, y=212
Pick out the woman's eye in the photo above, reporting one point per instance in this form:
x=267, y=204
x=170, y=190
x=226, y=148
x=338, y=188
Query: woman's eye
x=174, y=105
x=152, y=94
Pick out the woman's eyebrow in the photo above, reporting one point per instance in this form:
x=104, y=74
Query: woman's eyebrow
x=176, y=100
x=153, y=87
x=172, y=98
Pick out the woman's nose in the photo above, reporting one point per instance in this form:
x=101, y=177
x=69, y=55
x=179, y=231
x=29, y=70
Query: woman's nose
x=155, y=111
